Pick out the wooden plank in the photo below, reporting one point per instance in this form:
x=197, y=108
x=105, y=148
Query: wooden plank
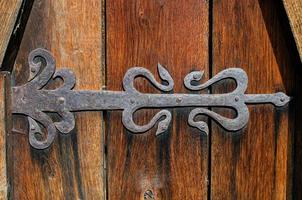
x=3, y=132
x=297, y=174
x=254, y=163
x=73, y=167
x=8, y=15
x=294, y=11
x=143, y=33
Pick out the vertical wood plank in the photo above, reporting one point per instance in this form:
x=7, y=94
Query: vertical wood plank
x=297, y=174
x=254, y=163
x=143, y=33
x=4, y=81
x=73, y=167
x=8, y=15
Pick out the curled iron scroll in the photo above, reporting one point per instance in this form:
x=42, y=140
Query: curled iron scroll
x=34, y=101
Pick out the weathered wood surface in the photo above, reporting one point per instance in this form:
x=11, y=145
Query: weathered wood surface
x=73, y=167
x=143, y=33
x=254, y=163
x=294, y=12
x=8, y=15
x=4, y=81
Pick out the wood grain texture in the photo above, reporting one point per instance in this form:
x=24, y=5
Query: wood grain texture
x=73, y=167
x=8, y=15
x=4, y=81
x=254, y=163
x=143, y=33
x=294, y=12
x=297, y=174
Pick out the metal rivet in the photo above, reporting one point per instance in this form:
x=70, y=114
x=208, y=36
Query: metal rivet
x=196, y=76
x=163, y=127
x=236, y=98
x=61, y=99
x=33, y=70
x=132, y=101
x=282, y=99
x=179, y=99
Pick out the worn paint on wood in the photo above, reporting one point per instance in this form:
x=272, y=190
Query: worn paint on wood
x=4, y=83
x=73, y=167
x=8, y=15
x=143, y=33
x=294, y=12
x=254, y=163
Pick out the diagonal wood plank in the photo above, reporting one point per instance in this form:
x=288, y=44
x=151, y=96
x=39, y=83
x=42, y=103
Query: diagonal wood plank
x=73, y=167
x=294, y=11
x=8, y=15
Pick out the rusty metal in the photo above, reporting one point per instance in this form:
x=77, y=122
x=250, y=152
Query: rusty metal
x=32, y=100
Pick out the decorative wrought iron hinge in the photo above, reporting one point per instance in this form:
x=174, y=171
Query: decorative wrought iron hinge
x=33, y=101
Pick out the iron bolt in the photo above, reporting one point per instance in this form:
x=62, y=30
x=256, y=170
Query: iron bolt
x=196, y=76
x=61, y=100
x=164, y=127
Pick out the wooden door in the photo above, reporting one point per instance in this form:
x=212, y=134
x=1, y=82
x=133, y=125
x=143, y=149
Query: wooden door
x=99, y=40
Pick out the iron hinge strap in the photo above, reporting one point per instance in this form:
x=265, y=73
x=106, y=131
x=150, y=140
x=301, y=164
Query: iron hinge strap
x=32, y=100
